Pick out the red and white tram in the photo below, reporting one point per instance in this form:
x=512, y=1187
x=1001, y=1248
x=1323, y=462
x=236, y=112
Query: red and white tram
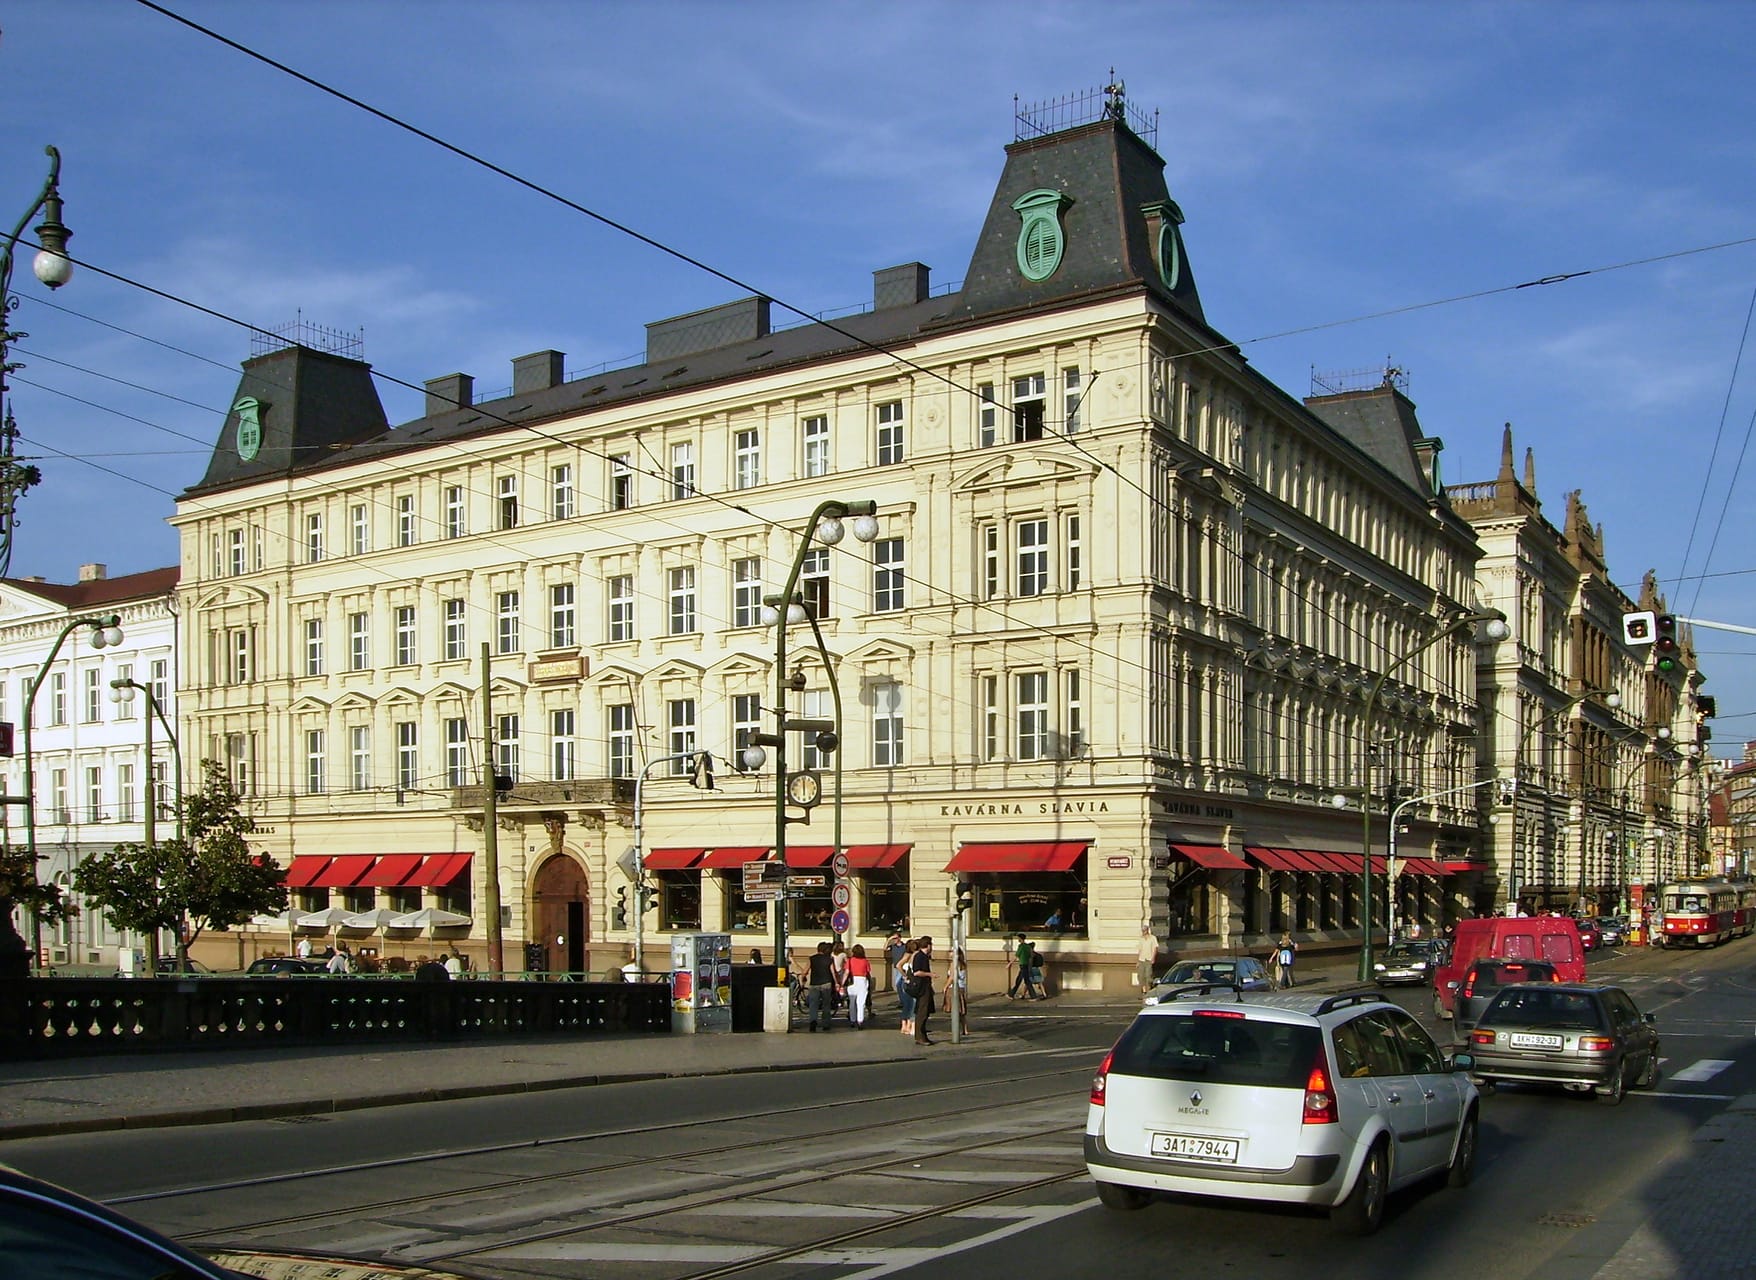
x=1706, y=912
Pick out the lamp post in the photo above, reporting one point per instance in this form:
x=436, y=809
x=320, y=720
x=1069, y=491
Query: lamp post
x=1390, y=868
x=122, y=693
x=1495, y=629
x=53, y=268
x=780, y=610
x=638, y=861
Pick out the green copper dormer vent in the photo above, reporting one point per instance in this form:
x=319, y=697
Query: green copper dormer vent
x=1040, y=236
x=249, y=439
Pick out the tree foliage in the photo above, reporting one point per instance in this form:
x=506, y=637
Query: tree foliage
x=205, y=879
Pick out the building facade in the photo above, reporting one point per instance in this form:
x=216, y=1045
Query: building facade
x=1106, y=659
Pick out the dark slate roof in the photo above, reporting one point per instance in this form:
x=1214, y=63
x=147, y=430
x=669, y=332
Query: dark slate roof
x=100, y=591
x=1381, y=423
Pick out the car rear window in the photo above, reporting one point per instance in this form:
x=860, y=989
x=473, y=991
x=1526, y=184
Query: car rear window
x=1537, y=1006
x=1217, y=1049
x=1490, y=976
x=1557, y=946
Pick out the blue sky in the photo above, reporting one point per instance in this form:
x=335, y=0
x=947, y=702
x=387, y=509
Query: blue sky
x=1334, y=161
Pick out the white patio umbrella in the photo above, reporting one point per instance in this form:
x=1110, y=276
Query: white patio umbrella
x=371, y=921
x=324, y=920
x=428, y=918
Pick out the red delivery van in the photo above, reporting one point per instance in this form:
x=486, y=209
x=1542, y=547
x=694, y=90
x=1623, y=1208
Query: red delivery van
x=1551, y=938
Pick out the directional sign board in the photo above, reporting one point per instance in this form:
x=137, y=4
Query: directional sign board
x=809, y=880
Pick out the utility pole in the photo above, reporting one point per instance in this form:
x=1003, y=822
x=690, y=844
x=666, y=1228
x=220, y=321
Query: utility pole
x=491, y=825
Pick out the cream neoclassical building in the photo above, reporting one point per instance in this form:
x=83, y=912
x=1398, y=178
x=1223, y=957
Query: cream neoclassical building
x=1107, y=658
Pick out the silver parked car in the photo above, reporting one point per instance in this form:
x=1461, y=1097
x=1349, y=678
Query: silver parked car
x=1244, y=972
x=1582, y=1037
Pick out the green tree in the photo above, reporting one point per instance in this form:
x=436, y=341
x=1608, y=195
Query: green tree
x=205, y=879
x=19, y=887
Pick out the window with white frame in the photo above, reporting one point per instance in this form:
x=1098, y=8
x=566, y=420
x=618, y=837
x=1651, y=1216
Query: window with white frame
x=990, y=717
x=506, y=500
x=1033, y=557
x=237, y=552
x=1075, y=554
x=814, y=581
x=124, y=710
x=682, y=470
x=240, y=664
x=561, y=497
x=506, y=634
x=94, y=794
x=987, y=416
x=316, y=763
x=746, y=722
x=561, y=743
x=887, y=575
x=408, y=755
x=620, y=613
x=359, y=529
x=217, y=548
x=890, y=438
x=58, y=796
x=313, y=646
x=359, y=757
x=406, y=532
x=681, y=715
x=814, y=704
x=1033, y=715
x=405, y=635
x=1072, y=392
x=619, y=718
x=456, y=631
x=455, y=525
x=124, y=793
x=747, y=458
x=256, y=540
x=816, y=440
x=94, y=697
x=160, y=681
x=621, y=482
x=506, y=747
x=314, y=537
x=1029, y=398
x=1073, y=715
x=990, y=561
x=359, y=642
x=58, y=697
x=160, y=773
x=887, y=724
x=682, y=598
x=457, y=770
x=746, y=592
x=561, y=618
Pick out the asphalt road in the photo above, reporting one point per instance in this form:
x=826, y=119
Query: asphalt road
x=964, y=1166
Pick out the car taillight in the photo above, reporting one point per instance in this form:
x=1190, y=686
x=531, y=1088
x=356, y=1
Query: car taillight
x=1320, y=1105
x=1597, y=1044
x=1218, y=1013
x=1101, y=1080
x=1481, y=1037
x=1469, y=987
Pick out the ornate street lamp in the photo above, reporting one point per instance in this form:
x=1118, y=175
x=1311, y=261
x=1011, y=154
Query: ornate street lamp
x=122, y=693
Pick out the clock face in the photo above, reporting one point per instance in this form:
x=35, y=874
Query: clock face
x=804, y=789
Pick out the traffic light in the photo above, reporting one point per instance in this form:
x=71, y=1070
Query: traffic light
x=502, y=783
x=966, y=896
x=1637, y=627
x=619, y=912
x=647, y=895
x=1664, y=642
x=702, y=775
x=1705, y=706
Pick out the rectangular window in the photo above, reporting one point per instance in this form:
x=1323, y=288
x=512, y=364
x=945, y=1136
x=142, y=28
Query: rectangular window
x=816, y=437
x=620, y=717
x=747, y=459
x=359, y=530
x=506, y=747
x=94, y=794
x=506, y=622
x=814, y=581
x=746, y=721
x=58, y=697
x=887, y=575
x=990, y=561
x=237, y=552
x=240, y=760
x=359, y=642
x=621, y=482
x=454, y=512
x=240, y=657
x=1029, y=395
x=682, y=596
x=1075, y=557
x=359, y=758
x=561, y=491
x=161, y=683
x=456, y=634
x=561, y=743
x=408, y=755
x=1074, y=719
x=746, y=592
x=58, y=796
x=682, y=471
x=219, y=556
x=621, y=607
x=506, y=498
x=313, y=646
x=406, y=533
x=315, y=779
x=561, y=632
x=887, y=724
x=1033, y=557
x=814, y=704
x=457, y=770
x=161, y=783
x=405, y=635
x=1033, y=715
x=124, y=793
x=681, y=713
x=987, y=413
x=124, y=707
x=890, y=441
x=990, y=717
x=314, y=537
x=1072, y=394
x=94, y=698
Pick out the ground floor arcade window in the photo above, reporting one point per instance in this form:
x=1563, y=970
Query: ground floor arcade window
x=886, y=900
x=1052, y=902
x=679, y=899
x=1191, y=903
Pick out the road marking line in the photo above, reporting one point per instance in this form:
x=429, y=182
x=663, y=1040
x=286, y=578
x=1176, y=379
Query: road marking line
x=1706, y=1069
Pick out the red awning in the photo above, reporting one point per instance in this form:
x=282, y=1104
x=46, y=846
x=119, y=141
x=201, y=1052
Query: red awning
x=1302, y=861
x=1458, y=868
x=1331, y=862
x=869, y=857
x=1273, y=859
x=440, y=870
x=1420, y=867
x=1350, y=862
x=734, y=857
x=344, y=872
x=1039, y=856
x=670, y=859
x=305, y=870
x=391, y=870
x=809, y=855
x=1211, y=855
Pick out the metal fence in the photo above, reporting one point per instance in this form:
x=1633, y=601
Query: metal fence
x=66, y=1017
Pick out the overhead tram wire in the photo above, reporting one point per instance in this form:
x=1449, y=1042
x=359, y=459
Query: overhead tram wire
x=1712, y=460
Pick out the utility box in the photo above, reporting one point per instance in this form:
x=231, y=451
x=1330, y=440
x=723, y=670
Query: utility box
x=701, y=982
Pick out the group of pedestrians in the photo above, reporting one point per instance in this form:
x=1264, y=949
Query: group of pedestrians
x=836, y=975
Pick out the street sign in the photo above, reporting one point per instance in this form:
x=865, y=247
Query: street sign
x=839, y=921
x=809, y=880
x=762, y=893
x=840, y=866
x=841, y=895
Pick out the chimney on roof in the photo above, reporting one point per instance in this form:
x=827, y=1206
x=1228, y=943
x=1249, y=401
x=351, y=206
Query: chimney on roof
x=900, y=286
x=93, y=572
x=538, y=371
x=453, y=391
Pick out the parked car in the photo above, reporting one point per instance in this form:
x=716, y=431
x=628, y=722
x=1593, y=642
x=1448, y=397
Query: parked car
x=1483, y=980
x=1244, y=972
x=284, y=967
x=1552, y=939
x=1406, y=962
x=1581, y=1037
x=169, y=968
x=1327, y=1101
x=1590, y=934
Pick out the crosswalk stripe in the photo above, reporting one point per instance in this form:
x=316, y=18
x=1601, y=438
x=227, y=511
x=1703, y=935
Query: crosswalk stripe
x=1705, y=1069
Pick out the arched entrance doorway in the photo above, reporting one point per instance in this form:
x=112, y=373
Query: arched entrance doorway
x=559, y=917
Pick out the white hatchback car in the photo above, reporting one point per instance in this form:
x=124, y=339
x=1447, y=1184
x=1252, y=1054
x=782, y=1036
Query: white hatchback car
x=1330, y=1101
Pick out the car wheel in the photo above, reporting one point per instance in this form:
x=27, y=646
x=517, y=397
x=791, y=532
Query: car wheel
x=1649, y=1073
x=1116, y=1196
x=1463, y=1159
x=1363, y=1210
x=1611, y=1093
